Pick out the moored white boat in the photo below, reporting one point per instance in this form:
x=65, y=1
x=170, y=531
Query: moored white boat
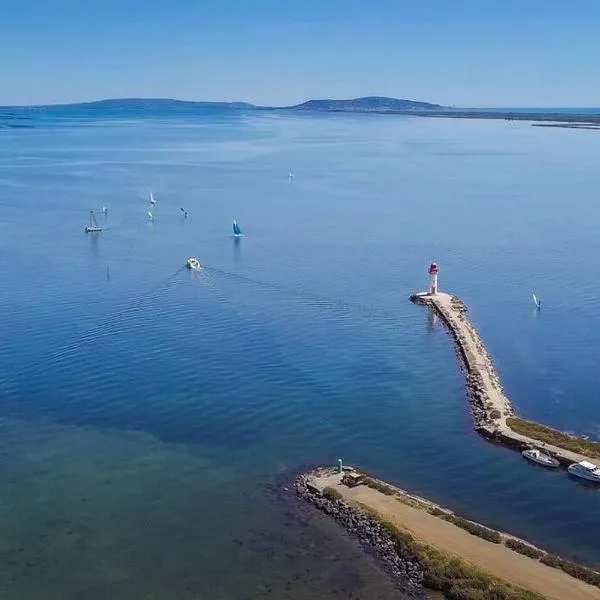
x=540, y=458
x=585, y=470
x=193, y=264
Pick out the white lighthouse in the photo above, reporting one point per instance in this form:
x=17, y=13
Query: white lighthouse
x=433, y=276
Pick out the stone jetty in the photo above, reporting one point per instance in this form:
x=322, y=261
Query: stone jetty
x=427, y=547
x=490, y=406
x=373, y=537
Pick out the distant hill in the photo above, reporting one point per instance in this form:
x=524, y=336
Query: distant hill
x=24, y=116
x=154, y=103
x=366, y=104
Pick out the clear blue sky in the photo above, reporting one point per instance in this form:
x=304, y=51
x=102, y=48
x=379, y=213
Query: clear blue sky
x=463, y=52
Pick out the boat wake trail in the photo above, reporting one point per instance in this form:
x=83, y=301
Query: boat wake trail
x=312, y=299
x=119, y=321
x=107, y=326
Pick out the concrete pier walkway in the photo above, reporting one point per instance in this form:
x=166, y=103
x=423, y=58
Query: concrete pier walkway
x=491, y=407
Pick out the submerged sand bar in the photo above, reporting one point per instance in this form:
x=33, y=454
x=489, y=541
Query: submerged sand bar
x=491, y=407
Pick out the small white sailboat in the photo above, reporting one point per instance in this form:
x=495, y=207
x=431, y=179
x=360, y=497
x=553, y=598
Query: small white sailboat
x=237, y=232
x=290, y=175
x=93, y=227
x=193, y=264
x=537, y=302
x=150, y=216
x=152, y=199
x=540, y=458
x=585, y=470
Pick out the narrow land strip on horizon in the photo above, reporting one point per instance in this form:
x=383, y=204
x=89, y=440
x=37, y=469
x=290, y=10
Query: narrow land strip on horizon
x=577, y=118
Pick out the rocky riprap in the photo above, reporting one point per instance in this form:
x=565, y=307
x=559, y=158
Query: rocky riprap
x=484, y=414
x=403, y=567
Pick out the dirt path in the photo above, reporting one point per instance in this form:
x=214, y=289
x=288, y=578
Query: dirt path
x=494, y=558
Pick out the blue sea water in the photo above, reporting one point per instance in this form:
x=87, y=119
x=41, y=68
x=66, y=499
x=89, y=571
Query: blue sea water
x=146, y=411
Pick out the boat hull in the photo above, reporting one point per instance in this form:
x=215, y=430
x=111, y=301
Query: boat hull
x=584, y=476
x=93, y=229
x=548, y=462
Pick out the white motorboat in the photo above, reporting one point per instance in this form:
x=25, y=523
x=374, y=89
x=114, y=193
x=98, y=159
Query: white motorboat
x=585, y=470
x=540, y=458
x=193, y=264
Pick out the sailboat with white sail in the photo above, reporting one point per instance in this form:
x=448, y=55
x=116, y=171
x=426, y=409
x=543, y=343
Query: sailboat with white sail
x=152, y=199
x=93, y=226
x=537, y=302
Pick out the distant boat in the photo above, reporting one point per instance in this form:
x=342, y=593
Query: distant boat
x=193, y=264
x=93, y=227
x=537, y=302
x=290, y=175
x=237, y=232
x=152, y=200
x=183, y=212
x=540, y=458
x=150, y=216
x=585, y=470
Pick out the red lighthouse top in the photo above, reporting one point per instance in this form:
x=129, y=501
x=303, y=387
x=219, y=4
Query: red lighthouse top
x=433, y=268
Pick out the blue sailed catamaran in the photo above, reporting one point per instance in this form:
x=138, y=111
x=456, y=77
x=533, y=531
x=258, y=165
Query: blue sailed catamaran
x=237, y=232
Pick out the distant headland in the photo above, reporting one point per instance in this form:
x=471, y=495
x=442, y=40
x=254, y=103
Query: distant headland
x=577, y=118
x=363, y=104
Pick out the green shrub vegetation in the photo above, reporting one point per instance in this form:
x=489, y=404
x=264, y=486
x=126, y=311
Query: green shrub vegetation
x=473, y=528
x=412, y=502
x=331, y=494
x=384, y=488
x=551, y=560
x=495, y=414
x=450, y=575
x=522, y=548
x=578, y=571
x=554, y=437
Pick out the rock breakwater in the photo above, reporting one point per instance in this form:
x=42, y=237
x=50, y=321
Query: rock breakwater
x=492, y=410
x=401, y=564
x=489, y=404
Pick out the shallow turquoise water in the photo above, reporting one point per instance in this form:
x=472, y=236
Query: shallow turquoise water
x=189, y=393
